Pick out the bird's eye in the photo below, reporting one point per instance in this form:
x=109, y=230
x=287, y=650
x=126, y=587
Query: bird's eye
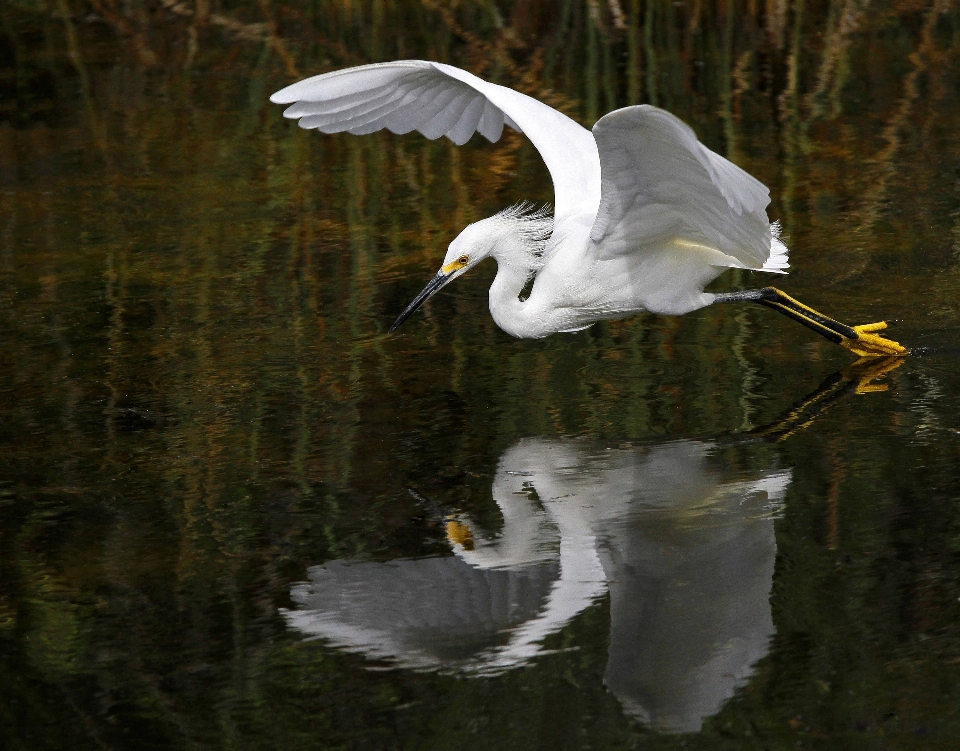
x=463, y=260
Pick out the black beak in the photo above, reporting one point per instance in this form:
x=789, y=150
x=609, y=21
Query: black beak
x=429, y=291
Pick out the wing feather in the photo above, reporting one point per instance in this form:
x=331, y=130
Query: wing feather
x=433, y=104
x=406, y=119
x=660, y=185
x=405, y=90
x=491, y=124
x=467, y=124
x=415, y=109
x=437, y=100
x=432, y=100
x=384, y=103
x=509, y=121
x=340, y=105
x=364, y=128
x=448, y=117
x=347, y=82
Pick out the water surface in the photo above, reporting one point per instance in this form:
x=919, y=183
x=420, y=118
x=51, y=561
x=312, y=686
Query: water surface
x=235, y=512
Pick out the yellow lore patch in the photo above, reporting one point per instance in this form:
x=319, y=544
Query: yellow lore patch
x=455, y=265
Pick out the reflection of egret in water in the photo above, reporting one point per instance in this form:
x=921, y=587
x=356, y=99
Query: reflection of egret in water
x=685, y=552
x=684, y=548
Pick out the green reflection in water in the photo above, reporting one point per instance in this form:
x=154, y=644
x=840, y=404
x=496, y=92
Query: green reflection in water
x=198, y=400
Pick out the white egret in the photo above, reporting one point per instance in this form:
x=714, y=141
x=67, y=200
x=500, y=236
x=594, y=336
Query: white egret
x=644, y=214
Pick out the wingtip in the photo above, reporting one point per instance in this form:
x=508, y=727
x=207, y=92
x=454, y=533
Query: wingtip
x=282, y=97
x=295, y=91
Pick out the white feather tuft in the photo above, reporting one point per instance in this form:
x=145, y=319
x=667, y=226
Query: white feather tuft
x=534, y=225
x=778, y=261
x=531, y=225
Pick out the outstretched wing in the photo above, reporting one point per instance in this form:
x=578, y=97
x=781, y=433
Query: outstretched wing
x=436, y=100
x=661, y=185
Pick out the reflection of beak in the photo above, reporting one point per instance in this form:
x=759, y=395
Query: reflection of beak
x=429, y=291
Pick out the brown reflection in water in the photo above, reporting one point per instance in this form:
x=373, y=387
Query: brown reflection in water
x=197, y=398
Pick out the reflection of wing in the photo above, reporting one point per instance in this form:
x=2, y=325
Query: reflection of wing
x=418, y=613
x=660, y=185
x=436, y=100
x=690, y=603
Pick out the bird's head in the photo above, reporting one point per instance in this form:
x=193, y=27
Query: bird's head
x=516, y=237
x=470, y=247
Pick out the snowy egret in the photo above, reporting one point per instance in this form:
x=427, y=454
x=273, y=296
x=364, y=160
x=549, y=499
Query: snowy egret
x=644, y=214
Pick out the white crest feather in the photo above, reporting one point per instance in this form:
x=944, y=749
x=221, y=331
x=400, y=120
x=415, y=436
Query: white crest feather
x=531, y=225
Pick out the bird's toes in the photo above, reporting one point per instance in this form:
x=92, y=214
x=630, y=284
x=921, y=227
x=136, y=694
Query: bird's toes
x=868, y=344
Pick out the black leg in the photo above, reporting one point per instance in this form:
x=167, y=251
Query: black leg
x=858, y=339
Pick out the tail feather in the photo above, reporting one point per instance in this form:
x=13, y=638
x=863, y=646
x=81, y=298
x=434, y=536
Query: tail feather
x=778, y=260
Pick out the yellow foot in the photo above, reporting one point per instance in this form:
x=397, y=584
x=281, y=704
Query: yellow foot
x=868, y=369
x=459, y=534
x=868, y=344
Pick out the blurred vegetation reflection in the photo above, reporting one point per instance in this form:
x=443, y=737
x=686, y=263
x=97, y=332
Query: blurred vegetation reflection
x=198, y=400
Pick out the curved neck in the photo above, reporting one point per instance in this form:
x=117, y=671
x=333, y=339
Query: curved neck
x=505, y=304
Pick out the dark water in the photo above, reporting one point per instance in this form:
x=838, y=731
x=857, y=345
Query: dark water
x=235, y=513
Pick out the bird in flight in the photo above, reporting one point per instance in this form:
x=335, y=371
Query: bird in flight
x=644, y=214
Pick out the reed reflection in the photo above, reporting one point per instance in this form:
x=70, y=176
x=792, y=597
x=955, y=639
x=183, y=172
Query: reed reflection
x=684, y=549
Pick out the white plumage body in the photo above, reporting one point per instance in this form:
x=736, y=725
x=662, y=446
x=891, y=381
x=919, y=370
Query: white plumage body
x=645, y=215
